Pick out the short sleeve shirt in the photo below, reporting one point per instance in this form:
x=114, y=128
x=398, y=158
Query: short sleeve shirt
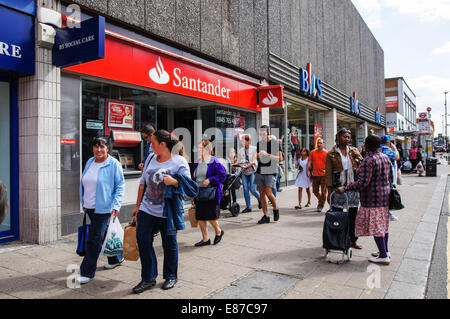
x=318, y=162
x=153, y=200
x=267, y=165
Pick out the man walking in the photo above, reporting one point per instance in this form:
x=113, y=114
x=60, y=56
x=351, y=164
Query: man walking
x=269, y=156
x=317, y=162
x=247, y=159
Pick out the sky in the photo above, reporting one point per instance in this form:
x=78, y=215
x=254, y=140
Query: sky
x=415, y=37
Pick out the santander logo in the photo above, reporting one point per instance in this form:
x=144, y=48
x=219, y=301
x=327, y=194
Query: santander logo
x=270, y=99
x=158, y=74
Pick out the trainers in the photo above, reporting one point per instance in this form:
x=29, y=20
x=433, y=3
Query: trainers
x=246, y=210
x=264, y=220
x=382, y=261
x=109, y=266
x=83, y=280
x=393, y=218
x=276, y=215
x=376, y=254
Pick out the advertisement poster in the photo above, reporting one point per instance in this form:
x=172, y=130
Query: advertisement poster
x=391, y=101
x=121, y=114
x=318, y=133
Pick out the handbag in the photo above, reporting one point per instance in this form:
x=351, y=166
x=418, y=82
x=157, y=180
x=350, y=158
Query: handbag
x=130, y=247
x=395, y=201
x=192, y=217
x=249, y=170
x=206, y=193
x=83, y=233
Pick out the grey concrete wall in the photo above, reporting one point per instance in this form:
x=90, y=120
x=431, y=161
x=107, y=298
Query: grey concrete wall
x=328, y=33
x=335, y=39
x=232, y=31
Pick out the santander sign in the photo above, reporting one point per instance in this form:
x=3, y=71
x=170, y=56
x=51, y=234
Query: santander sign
x=159, y=75
x=131, y=63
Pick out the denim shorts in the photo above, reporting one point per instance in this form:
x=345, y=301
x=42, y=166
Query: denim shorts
x=265, y=180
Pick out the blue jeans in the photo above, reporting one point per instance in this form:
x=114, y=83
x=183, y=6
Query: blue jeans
x=249, y=186
x=277, y=186
x=146, y=227
x=97, y=232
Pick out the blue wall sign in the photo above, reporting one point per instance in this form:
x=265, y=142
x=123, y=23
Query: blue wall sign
x=355, y=105
x=16, y=42
x=27, y=6
x=79, y=45
x=309, y=83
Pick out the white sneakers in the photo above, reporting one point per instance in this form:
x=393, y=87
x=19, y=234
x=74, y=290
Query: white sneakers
x=376, y=254
x=83, y=280
x=382, y=261
x=108, y=266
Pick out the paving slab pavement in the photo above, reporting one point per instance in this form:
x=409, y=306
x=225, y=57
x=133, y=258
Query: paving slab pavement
x=290, y=249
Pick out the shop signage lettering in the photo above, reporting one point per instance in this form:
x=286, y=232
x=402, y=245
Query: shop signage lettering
x=309, y=83
x=227, y=117
x=378, y=115
x=17, y=52
x=79, y=45
x=146, y=66
x=355, y=105
x=391, y=101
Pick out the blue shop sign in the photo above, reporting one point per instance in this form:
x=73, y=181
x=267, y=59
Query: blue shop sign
x=16, y=42
x=80, y=44
x=27, y=6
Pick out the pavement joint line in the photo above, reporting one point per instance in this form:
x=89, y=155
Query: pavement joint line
x=441, y=184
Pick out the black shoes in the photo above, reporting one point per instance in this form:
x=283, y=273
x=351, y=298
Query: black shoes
x=276, y=215
x=143, y=286
x=218, y=238
x=203, y=243
x=246, y=210
x=169, y=284
x=264, y=220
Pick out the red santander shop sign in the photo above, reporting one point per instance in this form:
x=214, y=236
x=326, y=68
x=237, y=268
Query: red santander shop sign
x=129, y=62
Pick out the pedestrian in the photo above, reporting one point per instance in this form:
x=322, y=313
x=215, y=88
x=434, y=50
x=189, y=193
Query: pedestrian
x=268, y=155
x=373, y=186
x=247, y=157
x=232, y=162
x=146, y=133
x=317, y=163
x=101, y=192
x=160, y=208
x=208, y=173
x=342, y=161
x=3, y=202
x=420, y=157
x=303, y=181
x=413, y=157
x=277, y=188
x=390, y=150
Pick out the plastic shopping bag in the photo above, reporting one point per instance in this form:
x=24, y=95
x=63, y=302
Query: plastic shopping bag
x=130, y=247
x=113, y=243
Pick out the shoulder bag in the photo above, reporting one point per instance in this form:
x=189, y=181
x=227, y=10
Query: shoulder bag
x=206, y=193
x=395, y=201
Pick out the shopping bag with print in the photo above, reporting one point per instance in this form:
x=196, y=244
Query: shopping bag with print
x=113, y=243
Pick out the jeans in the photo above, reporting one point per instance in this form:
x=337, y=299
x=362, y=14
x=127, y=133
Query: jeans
x=146, y=226
x=249, y=186
x=277, y=184
x=97, y=232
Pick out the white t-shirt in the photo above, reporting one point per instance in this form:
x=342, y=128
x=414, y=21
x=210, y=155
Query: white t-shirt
x=90, y=185
x=345, y=162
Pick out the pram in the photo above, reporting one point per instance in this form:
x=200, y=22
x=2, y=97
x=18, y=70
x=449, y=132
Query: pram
x=233, y=181
x=336, y=234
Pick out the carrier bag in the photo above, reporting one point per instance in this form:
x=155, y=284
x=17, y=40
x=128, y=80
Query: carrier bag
x=113, y=243
x=83, y=233
x=130, y=247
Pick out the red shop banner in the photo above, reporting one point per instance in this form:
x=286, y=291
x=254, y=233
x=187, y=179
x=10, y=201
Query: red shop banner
x=271, y=96
x=130, y=62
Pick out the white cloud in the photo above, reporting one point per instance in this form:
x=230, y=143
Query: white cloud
x=442, y=50
x=425, y=10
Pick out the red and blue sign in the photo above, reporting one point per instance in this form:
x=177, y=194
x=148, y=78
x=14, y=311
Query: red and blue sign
x=309, y=83
x=355, y=105
x=81, y=44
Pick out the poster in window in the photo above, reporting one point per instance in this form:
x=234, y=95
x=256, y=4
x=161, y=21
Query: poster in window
x=121, y=114
x=318, y=134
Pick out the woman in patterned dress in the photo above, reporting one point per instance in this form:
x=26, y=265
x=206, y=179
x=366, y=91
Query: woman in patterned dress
x=373, y=186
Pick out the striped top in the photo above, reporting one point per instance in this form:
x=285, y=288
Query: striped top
x=373, y=182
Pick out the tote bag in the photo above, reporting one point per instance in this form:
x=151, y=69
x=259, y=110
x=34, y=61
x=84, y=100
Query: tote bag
x=83, y=233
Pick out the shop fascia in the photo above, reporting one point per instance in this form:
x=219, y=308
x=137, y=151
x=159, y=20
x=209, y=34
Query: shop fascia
x=310, y=83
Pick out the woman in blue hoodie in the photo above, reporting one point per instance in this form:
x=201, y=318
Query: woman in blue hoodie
x=101, y=193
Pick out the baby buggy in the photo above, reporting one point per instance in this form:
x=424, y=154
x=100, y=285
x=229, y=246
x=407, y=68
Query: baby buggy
x=232, y=182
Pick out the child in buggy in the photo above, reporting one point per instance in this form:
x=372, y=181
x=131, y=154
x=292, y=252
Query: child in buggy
x=232, y=183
